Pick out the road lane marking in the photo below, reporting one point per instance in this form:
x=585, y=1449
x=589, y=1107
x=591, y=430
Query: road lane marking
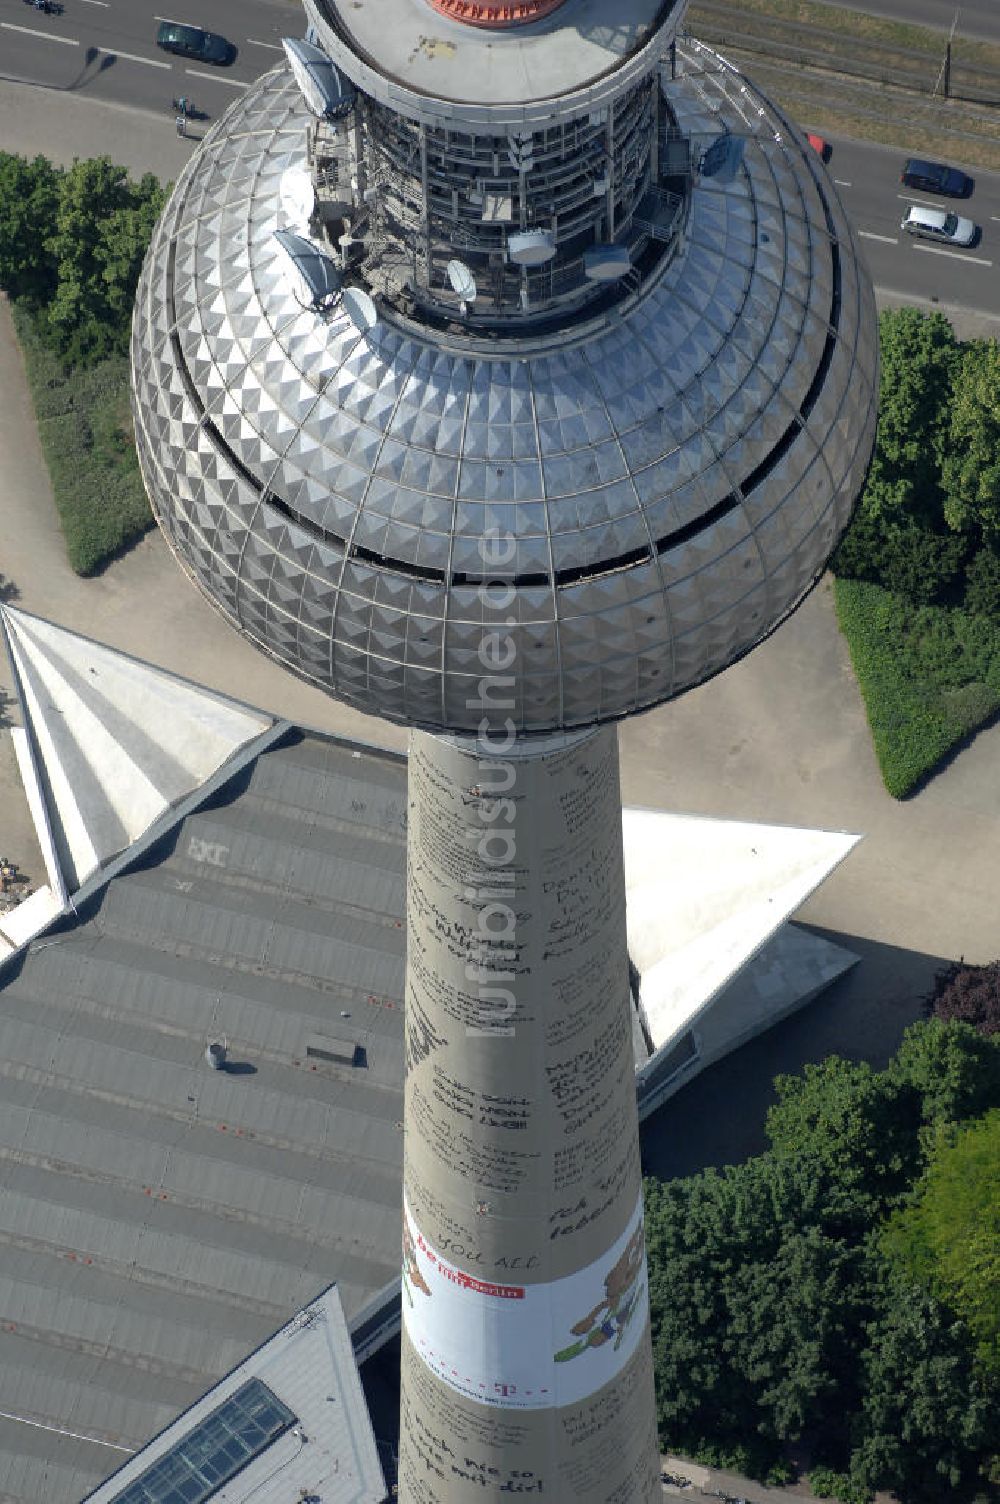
x=151, y=62
x=939, y=250
x=995, y=218
x=841, y=183
x=29, y=31
x=253, y=42
x=923, y=203
x=234, y=83
x=102, y=3
x=870, y=235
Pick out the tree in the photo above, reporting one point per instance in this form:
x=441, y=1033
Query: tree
x=948, y=1238
x=854, y=1131
x=29, y=197
x=103, y=226
x=780, y=1311
x=954, y=1071
x=919, y=354
x=902, y=555
x=928, y=1425
x=970, y=471
x=757, y=1315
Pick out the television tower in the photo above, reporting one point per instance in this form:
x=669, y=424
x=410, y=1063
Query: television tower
x=507, y=367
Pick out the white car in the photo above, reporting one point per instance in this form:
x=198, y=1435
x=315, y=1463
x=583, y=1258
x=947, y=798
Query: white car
x=939, y=224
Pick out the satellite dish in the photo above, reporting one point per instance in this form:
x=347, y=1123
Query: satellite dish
x=297, y=198
x=462, y=281
x=314, y=271
x=359, y=308
x=606, y=262
x=531, y=247
x=325, y=90
x=723, y=158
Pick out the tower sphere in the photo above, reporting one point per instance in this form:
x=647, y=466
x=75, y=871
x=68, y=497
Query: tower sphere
x=619, y=400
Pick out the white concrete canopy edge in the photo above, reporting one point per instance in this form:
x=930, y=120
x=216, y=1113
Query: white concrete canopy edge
x=703, y=896
x=114, y=742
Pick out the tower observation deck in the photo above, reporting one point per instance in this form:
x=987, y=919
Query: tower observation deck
x=653, y=366
x=505, y=368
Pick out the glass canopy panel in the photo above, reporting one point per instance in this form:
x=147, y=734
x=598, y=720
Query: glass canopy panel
x=214, y=1450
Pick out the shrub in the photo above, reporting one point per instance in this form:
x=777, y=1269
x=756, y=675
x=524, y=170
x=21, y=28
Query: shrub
x=900, y=555
x=84, y=425
x=929, y=676
x=828, y=1484
x=969, y=994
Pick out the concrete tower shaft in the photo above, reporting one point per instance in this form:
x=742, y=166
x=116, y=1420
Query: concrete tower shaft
x=527, y=1364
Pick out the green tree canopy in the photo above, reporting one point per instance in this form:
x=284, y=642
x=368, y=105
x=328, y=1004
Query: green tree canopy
x=971, y=469
x=919, y=354
x=948, y=1238
x=102, y=230
x=29, y=197
x=929, y=1424
x=778, y=1315
x=953, y=1068
x=854, y=1131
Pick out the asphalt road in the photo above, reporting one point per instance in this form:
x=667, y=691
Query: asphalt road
x=107, y=48
x=867, y=179
x=978, y=19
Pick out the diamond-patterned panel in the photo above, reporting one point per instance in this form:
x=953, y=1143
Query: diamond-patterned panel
x=667, y=489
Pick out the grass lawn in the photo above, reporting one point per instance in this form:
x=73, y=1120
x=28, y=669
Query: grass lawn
x=929, y=676
x=85, y=428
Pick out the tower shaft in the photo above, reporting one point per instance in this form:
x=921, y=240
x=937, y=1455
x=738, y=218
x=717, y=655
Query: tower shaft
x=527, y=1364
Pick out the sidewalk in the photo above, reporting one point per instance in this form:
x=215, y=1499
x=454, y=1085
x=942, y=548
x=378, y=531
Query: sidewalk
x=36, y=121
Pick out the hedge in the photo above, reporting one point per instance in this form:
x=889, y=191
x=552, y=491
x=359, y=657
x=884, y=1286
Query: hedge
x=85, y=429
x=929, y=676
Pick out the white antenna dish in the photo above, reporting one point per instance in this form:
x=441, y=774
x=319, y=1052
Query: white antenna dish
x=531, y=247
x=359, y=308
x=606, y=262
x=462, y=281
x=297, y=198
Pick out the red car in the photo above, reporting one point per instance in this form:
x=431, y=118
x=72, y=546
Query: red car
x=821, y=147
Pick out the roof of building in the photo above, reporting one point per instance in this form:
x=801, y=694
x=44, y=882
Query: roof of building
x=114, y=743
x=162, y=1217
x=289, y=1422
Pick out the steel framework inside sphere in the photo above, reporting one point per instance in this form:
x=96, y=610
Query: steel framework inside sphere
x=631, y=455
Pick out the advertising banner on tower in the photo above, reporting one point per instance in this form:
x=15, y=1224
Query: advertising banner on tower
x=526, y=1347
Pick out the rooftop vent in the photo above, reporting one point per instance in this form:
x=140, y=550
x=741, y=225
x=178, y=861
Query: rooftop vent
x=333, y=1051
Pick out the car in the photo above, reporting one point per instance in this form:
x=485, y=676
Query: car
x=191, y=41
x=820, y=146
x=935, y=177
x=939, y=224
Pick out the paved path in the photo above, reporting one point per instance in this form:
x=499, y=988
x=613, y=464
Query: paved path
x=781, y=736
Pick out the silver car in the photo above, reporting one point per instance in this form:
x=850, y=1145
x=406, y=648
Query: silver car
x=938, y=224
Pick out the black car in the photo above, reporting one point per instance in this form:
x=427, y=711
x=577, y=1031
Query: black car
x=191, y=41
x=935, y=177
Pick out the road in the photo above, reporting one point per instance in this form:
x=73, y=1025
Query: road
x=978, y=20
x=107, y=49
x=867, y=179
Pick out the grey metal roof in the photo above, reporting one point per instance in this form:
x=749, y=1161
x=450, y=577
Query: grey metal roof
x=159, y=1219
x=303, y=1415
